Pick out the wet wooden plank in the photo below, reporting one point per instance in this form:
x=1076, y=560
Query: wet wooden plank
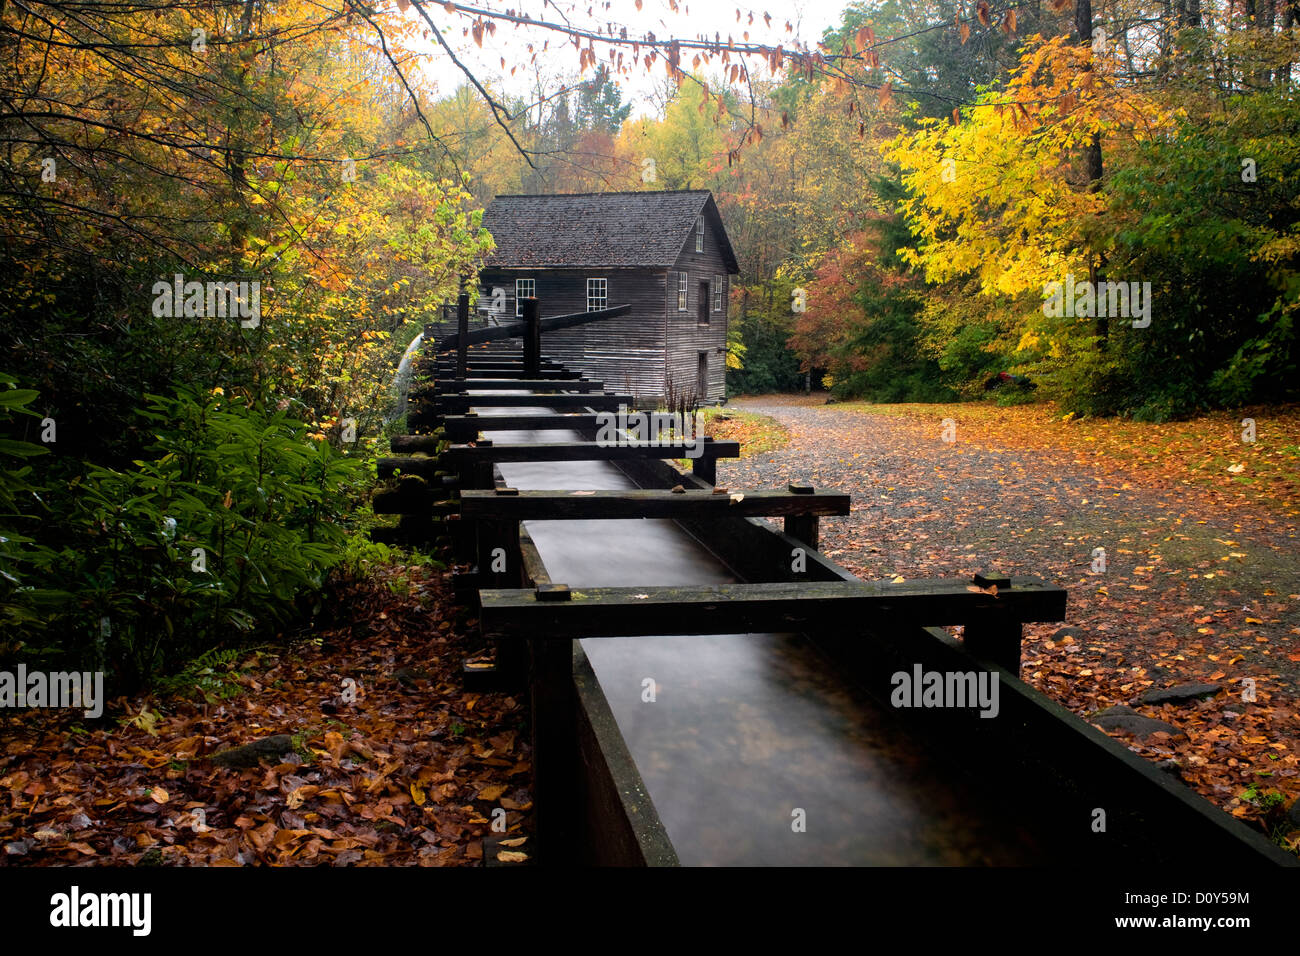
x=764, y=608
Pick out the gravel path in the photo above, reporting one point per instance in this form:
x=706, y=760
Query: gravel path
x=1189, y=592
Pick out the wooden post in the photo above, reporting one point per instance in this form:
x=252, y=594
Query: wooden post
x=532, y=338
x=498, y=553
x=995, y=636
x=462, y=329
x=461, y=532
x=554, y=750
x=500, y=565
x=705, y=467
x=803, y=527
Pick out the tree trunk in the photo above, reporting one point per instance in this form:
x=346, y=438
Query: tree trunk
x=1092, y=163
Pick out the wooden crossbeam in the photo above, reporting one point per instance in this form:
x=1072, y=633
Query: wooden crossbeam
x=413, y=443
x=474, y=375
x=516, y=329
x=763, y=608
x=492, y=359
x=459, y=404
x=423, y=466
x=452, y=387
x=465, y=427
x=412, y=500
x=641, y=503
x=458, y=456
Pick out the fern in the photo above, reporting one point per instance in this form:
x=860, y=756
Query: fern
x=208, y=675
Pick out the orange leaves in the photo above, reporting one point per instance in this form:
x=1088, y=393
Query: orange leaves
x=393, y=786
x=963, y=30
x=983, y=12
x=1009, y=23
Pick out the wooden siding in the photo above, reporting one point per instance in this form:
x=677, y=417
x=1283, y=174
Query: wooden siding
x=640, y=353
x=626, y=353
x=686, y=337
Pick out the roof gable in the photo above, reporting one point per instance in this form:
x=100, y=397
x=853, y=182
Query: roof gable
x=581, y=230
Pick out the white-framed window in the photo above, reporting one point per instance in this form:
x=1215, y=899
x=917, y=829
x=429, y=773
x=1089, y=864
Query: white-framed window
x=683, y=290
x=719, y=288
x=699, y=233
x=597, y=294
x=524, y=289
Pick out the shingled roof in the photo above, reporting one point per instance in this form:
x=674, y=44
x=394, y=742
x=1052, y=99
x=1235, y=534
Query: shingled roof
x=594, y=230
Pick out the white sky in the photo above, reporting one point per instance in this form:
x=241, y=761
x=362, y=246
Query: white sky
x=700, y=18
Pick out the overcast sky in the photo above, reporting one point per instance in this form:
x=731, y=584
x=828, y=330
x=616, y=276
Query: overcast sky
x=706, y=17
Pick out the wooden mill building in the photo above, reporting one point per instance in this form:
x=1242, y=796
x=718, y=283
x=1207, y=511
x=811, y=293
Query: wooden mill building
x=664, y=253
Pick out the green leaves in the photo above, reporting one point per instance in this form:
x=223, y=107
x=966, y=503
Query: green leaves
x=239, y=484
x=21, y=449
x=17, y=397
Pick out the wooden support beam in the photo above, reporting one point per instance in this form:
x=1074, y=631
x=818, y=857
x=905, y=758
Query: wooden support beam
x=763, y=608
x=462, y=328
x=473, y=374
x=532, y=384
x=499, y=563
x=554, y=751
x=995, y=635
x=388, y=536
x=425, y=467
x=459, y=404
x=457, y=456
x=804, y=527
x=413, y=443
x=461, y=428
x=705, y=467
x=532, y=338
x=410, y=500
x=552, y=505
x=484, y=364
x=412, y=529
x=514, y=330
